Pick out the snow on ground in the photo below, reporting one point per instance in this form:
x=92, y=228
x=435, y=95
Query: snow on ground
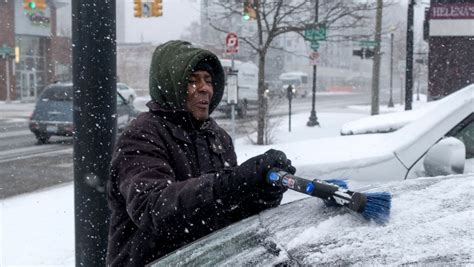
x=15, y=111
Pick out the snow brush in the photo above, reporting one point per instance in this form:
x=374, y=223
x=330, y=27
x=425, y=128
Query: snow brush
x=373, y=206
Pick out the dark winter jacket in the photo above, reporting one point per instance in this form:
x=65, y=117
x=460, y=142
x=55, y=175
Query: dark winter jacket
x=162, y=191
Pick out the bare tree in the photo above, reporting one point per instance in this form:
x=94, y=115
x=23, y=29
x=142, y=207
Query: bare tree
x=277, y=17
x=271, y=123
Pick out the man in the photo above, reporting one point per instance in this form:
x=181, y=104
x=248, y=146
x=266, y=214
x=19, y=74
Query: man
x=174, y=174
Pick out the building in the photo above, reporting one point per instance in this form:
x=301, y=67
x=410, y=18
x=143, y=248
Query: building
x=34, y=52
x=451, y=46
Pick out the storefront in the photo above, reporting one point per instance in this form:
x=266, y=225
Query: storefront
x=451, y=41
x=39, y=56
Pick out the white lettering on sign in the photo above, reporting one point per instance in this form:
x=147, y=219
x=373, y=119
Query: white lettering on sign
x=452, y=11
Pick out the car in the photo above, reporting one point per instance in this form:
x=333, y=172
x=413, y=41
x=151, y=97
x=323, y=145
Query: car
x=402, y=154
x=53, y=112
x=430, y=225
x=127, y=92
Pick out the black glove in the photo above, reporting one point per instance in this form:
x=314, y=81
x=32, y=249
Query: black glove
x=254, y=171
x=250, y=178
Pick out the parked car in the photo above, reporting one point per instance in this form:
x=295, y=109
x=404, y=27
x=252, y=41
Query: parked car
x=127, y=92
x=430, y=225
x=398, y=155
x=53, y=112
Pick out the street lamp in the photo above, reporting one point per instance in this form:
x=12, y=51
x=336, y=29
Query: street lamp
x=313, y=119
x=409, y=58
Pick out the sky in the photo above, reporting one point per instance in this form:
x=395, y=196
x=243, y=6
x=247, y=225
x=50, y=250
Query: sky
x=177, y=16
x=38, y=228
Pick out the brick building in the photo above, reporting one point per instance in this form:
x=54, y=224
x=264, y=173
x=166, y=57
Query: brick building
x=451, y=46
x=32, y=54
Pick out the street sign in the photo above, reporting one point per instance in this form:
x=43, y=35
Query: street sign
x=317, y=33
x=315, y=45
x=314, y=58
x=5, y=50
x=367, y=43
x=231, y=43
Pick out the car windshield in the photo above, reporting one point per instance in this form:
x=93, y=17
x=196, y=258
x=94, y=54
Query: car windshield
x=294, y=82
x=57, y=93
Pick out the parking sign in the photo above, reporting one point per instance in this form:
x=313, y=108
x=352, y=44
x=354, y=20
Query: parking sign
x=231, y=43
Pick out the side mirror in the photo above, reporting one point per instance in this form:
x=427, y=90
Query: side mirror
x=445, y=157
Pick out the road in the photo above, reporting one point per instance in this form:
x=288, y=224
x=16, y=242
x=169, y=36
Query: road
x=26, y=166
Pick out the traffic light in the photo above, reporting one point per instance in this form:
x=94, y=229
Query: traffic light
x=358, y=53
x=369, y=53
x=157, y=8
x=249, y=12
x=29, y=5
x=137, y=7
x=40, y=4
x=363, y=53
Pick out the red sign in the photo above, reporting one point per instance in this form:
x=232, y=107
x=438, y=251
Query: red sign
x=452, y=11
x=231, y=43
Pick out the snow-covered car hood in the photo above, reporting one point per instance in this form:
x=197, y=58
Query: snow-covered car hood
x=427, y=226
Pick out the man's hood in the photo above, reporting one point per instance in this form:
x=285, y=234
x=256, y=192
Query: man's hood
x=171, y=65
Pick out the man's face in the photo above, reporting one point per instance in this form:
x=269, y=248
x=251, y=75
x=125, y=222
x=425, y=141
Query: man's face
x=200, y=92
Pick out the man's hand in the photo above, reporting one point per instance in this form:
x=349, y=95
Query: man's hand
x=254, y=170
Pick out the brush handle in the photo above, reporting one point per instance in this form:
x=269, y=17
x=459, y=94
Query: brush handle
x=318, y=188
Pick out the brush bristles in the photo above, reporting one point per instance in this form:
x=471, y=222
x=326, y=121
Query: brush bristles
x=378, y=207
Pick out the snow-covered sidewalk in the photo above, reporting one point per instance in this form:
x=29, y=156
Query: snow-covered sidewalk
x=15, y=111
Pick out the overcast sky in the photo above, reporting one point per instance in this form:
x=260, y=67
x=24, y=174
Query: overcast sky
x=177, y=16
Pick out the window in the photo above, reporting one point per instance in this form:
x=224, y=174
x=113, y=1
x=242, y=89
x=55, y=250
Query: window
x=58, y=93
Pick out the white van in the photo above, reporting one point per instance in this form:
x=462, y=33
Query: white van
x=247, y=87
x=297, y=79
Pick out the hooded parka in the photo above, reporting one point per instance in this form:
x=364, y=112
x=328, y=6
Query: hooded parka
x=165, y=188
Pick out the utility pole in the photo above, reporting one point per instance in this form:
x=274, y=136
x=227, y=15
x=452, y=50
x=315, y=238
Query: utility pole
x=313, y=119
x=409, y=58
x=376, y=65
x=94, y=114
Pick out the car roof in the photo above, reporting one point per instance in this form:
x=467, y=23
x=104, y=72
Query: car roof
x=427, y=226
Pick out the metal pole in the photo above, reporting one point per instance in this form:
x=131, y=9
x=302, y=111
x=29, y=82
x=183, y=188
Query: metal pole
x=8, y=77
x=409, y=58
x=289, y=114
x=313, y=119
x=390, y=101
x=232, y=105
x=376, y=66
x=94, y=116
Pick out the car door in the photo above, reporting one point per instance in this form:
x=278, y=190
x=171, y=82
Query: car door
x=464, y=132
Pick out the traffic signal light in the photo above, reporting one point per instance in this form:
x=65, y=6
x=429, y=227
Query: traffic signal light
x=157, y=8
x=358, y=53
x=137, y=7
x=34, y=5
x=29, y=5
x=369, y=53
x=249, y=12
x=363, y=53
x=40, y=4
